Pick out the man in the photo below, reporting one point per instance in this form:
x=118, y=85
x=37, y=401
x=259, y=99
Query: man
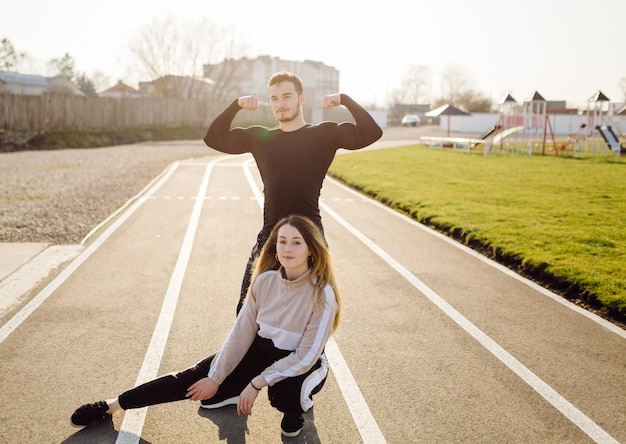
x=293, y=158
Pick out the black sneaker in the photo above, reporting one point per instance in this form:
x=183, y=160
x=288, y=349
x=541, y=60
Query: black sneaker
x=291, y=425
x=90, y=413
x=219, y=400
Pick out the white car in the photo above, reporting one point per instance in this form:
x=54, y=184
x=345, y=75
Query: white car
x=411, y=120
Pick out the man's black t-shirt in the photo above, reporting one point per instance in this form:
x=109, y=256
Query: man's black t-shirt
x=293, y=164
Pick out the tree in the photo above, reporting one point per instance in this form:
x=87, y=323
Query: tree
x=10, y=59
x=414, y=88
x=416, y=83
x=458, y=90
x=454, y=83
x=100, y=80
x=85, y=85
x=64, y=66
x=171, y=47
x=475, y=101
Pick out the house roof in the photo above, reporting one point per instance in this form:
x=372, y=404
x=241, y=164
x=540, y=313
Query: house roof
x=447, y=110
x=23, y=79
x=121, y=87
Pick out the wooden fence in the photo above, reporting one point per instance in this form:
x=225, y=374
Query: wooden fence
x=62, y=112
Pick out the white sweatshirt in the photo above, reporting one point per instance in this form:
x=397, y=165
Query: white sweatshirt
x=283, y=311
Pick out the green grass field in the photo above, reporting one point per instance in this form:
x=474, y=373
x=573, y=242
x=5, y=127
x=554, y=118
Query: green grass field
x=559, y=220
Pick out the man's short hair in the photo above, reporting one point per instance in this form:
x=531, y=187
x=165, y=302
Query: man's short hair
x=285, y=76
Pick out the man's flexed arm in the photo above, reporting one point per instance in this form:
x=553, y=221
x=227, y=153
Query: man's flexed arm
x=221, y=137
x=351, y=136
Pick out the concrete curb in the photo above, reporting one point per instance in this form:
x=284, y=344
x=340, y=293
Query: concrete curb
x=24, y=265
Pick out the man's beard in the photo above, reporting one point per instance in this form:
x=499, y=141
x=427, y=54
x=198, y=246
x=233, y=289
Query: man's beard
x=283, y=118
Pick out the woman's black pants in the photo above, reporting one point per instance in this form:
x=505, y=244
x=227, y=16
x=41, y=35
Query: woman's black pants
x=291, y=395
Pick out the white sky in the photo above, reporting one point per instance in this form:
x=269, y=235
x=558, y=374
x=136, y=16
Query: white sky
x=565, y=49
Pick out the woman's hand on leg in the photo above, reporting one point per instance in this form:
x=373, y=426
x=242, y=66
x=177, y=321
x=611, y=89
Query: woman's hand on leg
x=246, y=400
x=203, y=389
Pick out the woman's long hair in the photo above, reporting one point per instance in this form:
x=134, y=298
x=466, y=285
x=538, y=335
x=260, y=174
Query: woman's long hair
x=320, y=261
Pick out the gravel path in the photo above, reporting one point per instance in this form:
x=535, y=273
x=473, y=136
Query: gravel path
x=59, y=196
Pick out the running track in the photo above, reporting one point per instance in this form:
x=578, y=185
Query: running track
x=437, y=344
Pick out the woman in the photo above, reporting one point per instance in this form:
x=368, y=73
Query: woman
x=278, y=339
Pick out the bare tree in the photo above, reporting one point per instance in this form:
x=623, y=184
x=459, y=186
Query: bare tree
x=64, y=66
x=101, y=81
x=458, y=90
x=172, y=47
x=229, y=76
x=416, y=84
x=414, y=88
x=454, y=82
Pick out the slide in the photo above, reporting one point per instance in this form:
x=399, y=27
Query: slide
x=609, y=137
x=507, y=133
x=489, y=132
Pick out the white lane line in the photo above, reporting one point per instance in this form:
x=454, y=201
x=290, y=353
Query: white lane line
x=29, y=308
x=593, y=430
x=555, y=297
x=253, y=186
x=131, y=428
x=361, y=414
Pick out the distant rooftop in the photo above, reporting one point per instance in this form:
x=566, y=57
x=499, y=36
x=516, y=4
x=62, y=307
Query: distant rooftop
x=23, y=79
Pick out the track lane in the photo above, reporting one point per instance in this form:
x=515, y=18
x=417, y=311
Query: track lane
x=423, y=378
x=89, y=336
x=564, y=335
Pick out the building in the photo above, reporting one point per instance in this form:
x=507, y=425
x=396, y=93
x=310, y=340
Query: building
x=35, y=85
x=120, y=90
x=27, y=84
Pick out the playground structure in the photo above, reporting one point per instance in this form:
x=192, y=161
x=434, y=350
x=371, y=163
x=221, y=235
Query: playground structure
x=521, y=131
x=600, y=119
x=527, y=129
